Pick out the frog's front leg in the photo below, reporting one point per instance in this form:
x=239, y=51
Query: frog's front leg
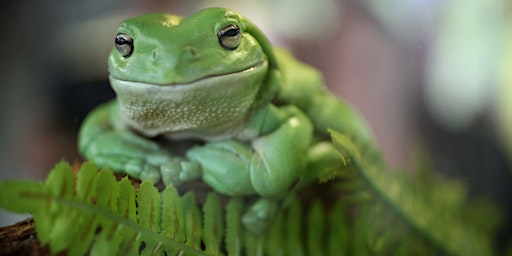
x=268, y=165
x=103, y=140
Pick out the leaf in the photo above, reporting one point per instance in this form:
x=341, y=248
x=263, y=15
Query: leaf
x=22, y=196
x=294, y=229
x=254, y=245
x=149, y=212
x=60, y=181
x=97, y=214
x=233, y=226
x=432, y=206
x=173, y=218
x=339, y=236
x=316, y=230
x=367, y=211
x=193, y=221
x=276, y=236
x=213, y=224
x=148, y=209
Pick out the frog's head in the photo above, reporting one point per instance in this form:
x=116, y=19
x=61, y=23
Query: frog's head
x=201, y=73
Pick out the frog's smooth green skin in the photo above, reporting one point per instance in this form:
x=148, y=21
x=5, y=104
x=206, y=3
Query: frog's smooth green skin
x=259, y=116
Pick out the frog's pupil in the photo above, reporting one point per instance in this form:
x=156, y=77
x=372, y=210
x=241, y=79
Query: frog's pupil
x=120, y=40
x=232, y=32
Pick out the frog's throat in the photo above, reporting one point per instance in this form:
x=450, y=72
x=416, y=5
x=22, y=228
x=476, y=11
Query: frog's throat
x=214, y=107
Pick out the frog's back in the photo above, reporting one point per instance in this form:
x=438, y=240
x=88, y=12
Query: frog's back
x=303, y=86
x=300, y=80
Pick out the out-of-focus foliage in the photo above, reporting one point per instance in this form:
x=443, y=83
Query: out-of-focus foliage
x=419, y=212
x=504, y=96
x=462, y=69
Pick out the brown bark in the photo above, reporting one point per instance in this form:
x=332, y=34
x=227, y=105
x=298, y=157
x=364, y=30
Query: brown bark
x=20, y=239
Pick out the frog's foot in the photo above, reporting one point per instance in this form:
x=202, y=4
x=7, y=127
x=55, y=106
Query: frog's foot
x=225, y=166
x=139, y=167
x=259, y=215
x=178, y=171
x=140, y=158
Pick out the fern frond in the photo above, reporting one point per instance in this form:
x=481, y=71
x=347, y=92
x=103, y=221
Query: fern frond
x=368, y=212
x=432, y=207
x=233, y=227
x=213, y=224
x=100, y=215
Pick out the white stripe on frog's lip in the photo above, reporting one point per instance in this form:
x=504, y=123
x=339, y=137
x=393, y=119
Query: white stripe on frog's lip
x=255, y=66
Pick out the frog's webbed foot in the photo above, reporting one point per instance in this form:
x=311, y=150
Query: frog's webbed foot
x=225, y=166
x=180, y=170
x=140, y=158
x=259, y=215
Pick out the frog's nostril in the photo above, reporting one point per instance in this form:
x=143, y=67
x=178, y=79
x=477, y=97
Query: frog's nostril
x=154, y=54
x=192, y=51
x=190, y=54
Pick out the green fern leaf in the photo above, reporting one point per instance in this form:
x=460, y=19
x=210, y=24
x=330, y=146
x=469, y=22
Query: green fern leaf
x=431, y=206
x=254, y=245
x=213, y=224
x=148, y=209
x=369, y=212
x=21, y=196
x=276, y=237
x=233, y=227
x=172, y=215
x=193, y=220
x=97, y=214
x=315, y=232
x=339, y=235
x=294, y=231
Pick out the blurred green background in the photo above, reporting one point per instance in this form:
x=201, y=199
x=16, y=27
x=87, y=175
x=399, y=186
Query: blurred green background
x=428, y=75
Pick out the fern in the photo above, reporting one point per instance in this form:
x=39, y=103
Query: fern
x=106, y=217
x=426, y=214
x=359, y=209
x=98, y=215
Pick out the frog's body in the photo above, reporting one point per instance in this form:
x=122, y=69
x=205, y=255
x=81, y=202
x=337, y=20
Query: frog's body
x=260, y=117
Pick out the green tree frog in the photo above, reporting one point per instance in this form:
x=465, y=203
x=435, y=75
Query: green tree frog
x=208, y=97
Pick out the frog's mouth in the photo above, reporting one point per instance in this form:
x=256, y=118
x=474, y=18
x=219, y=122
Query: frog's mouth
x=258, y=65
x=213, y=103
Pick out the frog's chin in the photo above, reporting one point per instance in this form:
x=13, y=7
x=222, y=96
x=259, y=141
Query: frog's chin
x=214, y=106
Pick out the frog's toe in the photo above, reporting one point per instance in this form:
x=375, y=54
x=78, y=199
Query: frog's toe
x=190, y=170
x=151, y=173
x=138, y=169
x=178, y=171
x=171, y=173
x=133, y=167
x=259, y=215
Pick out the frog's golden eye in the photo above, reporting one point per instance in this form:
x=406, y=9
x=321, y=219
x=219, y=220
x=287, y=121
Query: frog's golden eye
x=124, y=44
x=229, y=36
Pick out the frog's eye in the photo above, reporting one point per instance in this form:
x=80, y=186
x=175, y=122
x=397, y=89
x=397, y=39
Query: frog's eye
x=229, y=36
x=124, y=44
